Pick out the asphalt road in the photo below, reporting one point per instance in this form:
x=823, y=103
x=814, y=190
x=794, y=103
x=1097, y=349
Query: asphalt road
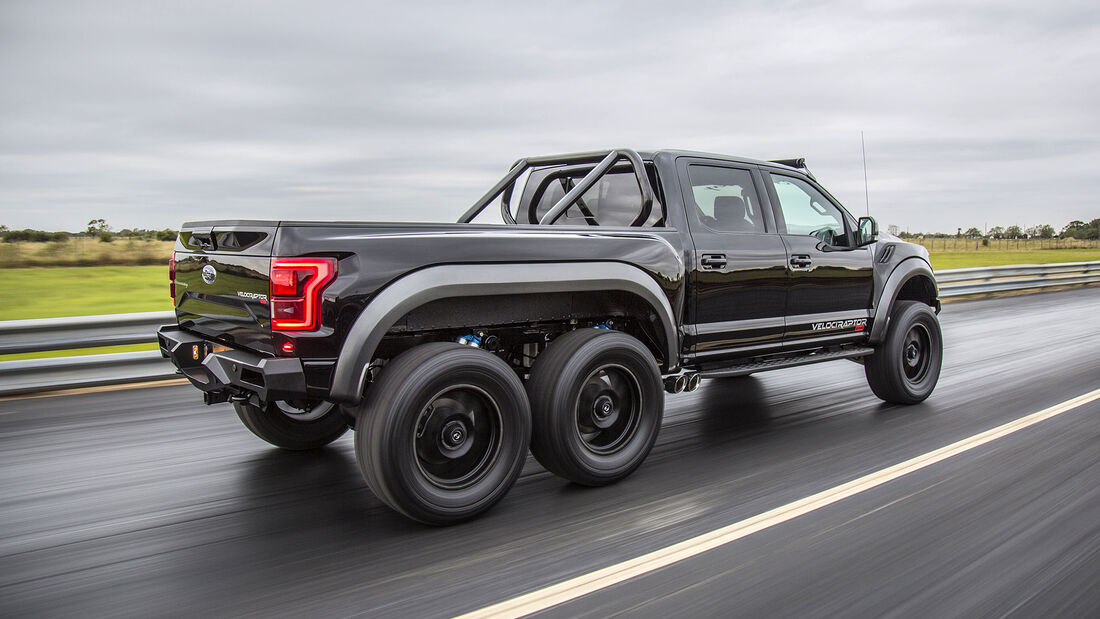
x=145, y=502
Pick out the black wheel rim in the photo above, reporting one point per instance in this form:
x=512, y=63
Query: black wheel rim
x=608, y=408
x=458, y=437
x=916, y=353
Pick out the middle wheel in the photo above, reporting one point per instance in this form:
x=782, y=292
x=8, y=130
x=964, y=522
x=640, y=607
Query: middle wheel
x=596, y=406
x=443, y=432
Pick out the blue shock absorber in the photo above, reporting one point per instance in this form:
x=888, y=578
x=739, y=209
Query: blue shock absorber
x=471, y=339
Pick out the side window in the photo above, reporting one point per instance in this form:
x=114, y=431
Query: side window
x=808, y=212
x=725, y=199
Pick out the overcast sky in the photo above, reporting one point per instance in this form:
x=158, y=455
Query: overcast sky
x=152, y=113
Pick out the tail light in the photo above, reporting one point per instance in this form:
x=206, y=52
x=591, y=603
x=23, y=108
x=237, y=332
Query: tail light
x=296, y=285
x=172, y=276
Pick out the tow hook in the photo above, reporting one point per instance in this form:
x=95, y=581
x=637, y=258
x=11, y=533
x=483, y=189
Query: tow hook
x=215, y=397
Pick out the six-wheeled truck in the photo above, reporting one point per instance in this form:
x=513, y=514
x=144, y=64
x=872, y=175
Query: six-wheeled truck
x=452, y=349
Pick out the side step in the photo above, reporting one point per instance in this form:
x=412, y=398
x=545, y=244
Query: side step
x=742, y=369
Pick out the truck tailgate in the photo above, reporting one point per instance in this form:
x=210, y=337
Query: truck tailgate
x=222, y=281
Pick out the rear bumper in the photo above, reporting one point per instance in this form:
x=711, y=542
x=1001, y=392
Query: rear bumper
x=223, y=375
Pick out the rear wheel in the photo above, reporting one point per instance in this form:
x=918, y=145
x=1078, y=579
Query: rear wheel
x=443, y=433
x=906, y=367
x=597, y=402
x=293, y=427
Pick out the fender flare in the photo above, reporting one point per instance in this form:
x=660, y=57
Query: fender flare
x=464, y=280
x=906, y=270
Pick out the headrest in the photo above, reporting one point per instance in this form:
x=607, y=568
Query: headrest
x=729, y=212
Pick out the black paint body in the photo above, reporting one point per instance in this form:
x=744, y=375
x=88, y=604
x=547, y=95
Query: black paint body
x=732, y=295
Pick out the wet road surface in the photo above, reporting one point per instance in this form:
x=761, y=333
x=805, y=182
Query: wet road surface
x=145, y=502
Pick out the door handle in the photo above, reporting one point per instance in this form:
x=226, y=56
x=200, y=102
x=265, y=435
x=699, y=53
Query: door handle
x=801, y=261
x=711, y=262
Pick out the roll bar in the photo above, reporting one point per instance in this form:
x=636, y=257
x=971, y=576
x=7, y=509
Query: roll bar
x=603, y=159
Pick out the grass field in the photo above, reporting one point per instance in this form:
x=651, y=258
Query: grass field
x=82, y=291
x=965, y=259
x=83, y=251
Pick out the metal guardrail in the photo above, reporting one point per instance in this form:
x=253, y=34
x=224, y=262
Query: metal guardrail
x=985, y=280
x=46, y=334
x=49, y=334
x=36, y=375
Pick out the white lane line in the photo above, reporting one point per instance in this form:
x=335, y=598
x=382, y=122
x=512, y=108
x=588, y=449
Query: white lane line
x=608, y=576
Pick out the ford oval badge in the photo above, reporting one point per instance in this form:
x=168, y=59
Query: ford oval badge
x=209, y=274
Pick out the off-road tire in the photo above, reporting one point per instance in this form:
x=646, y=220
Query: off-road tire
x=283, y=431
x=587, y=379
x=421, y=399
x=906, y=366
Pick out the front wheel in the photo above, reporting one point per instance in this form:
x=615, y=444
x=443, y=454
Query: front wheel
x=906, y=367
x=597, y=403
x=443, y=432
x=295, y=428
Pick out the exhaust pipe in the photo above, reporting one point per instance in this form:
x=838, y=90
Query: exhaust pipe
x=676, y=384
x=693, y=382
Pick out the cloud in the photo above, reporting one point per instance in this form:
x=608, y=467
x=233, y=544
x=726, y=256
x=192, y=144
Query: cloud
x=148, y=114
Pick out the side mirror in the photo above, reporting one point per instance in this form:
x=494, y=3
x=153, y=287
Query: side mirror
x=868, y=231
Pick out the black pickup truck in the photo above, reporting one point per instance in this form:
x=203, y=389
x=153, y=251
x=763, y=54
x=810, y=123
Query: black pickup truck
x=614, y=277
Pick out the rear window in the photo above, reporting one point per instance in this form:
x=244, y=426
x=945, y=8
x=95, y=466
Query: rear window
x=615, y=200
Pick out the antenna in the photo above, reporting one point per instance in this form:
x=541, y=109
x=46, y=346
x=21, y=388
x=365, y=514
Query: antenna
x=866, y=191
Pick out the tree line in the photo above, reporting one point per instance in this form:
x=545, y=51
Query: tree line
x=97, y=228
x=1075, y=229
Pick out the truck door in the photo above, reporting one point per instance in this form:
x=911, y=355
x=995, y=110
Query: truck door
x=831, y=279
x=739, y=277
